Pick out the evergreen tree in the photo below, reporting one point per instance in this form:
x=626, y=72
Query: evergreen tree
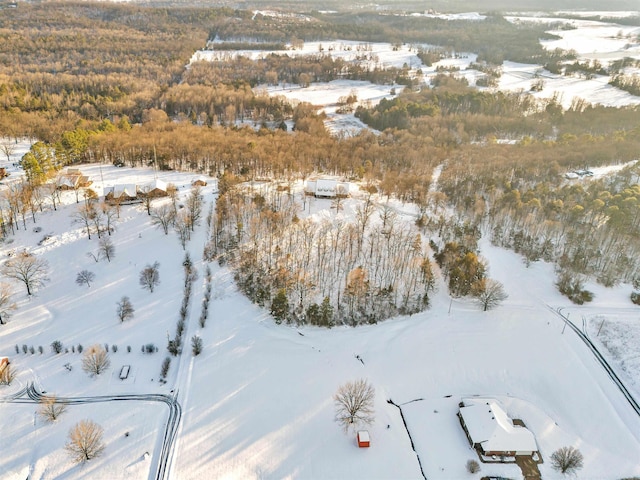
x=280, y=306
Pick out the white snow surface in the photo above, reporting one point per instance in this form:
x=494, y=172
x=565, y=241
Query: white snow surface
x=257, y=403
x=469, y=16
x=604, y=41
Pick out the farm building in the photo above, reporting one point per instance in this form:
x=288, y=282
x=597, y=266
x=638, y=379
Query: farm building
x=489, y=429
x=154, y=189
x=121, y=193
x=326, y=187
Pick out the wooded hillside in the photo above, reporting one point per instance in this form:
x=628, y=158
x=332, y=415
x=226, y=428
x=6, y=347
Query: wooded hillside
x=109, y=83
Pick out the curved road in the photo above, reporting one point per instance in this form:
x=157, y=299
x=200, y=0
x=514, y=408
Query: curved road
x=170, y=432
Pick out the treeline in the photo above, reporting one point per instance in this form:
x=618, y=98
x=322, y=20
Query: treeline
x=71, y=61
x=451, y=97
x=628, y=83
x=589, y=227
x=495, y=39
x=223, y=104
x=274, y=69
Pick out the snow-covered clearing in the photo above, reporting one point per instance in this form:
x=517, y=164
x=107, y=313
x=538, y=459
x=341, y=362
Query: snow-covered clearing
x=604, y=41
x=257, y=403
x=590, y=39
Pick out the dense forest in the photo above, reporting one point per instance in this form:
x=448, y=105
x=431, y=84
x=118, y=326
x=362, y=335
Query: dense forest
x=110, y=83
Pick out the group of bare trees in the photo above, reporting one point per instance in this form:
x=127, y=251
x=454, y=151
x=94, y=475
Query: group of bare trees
x=369, y=269
x=98, y=218
x=183, y=218
x=85, y=439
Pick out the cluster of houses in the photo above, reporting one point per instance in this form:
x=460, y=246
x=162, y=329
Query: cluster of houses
x=73, y=179
x=133, y=193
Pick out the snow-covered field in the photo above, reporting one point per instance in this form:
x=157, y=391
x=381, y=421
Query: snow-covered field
x=604, y=41
x=257, y=403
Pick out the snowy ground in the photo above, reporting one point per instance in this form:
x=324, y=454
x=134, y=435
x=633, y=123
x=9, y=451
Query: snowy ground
x=591, y=40
x=258, y=402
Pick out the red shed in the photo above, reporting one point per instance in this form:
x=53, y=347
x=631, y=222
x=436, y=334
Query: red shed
x=363, y=439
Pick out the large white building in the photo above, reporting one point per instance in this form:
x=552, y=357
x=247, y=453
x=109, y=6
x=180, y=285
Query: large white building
x=326, y=187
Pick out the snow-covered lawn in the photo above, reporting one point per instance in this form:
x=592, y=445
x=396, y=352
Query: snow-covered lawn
x=33, y=448
x=257, y=403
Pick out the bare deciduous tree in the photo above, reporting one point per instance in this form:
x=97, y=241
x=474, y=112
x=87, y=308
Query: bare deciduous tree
x=124, y=309
x=7, y=147
x=50, y=409
x=567, y=460
x=489, y=293
x=354, y=404
x=146, y=197
x=95, y=360
x=27, y=268
x=85, y=441
x=106, y=249
x=110, y=216
x=163, y=216
x=6, y=303
x=7, y=375
x=85, y=277
x=150, y=277
x=194, y=204
x=51, y=190
x=182, y=225
x=85, y=215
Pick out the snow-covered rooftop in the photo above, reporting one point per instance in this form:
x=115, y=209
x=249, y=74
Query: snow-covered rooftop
x=155, y=185
x=489, y=425
x=129, y=190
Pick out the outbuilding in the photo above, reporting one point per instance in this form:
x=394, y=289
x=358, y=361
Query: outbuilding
x=363, y=439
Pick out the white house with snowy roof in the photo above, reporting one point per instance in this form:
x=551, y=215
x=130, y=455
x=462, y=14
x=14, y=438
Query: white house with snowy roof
x=155, y=188
x=489, y=428
x=121, y=193
x=327, y=187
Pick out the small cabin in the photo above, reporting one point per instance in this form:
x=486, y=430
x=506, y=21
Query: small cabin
x=199, y=182
x=363, y=439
